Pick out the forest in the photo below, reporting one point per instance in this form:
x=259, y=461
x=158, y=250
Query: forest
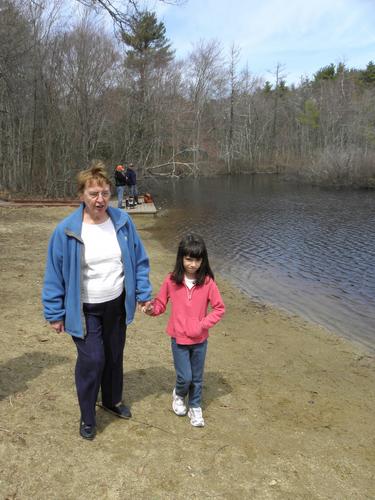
x=82, y=80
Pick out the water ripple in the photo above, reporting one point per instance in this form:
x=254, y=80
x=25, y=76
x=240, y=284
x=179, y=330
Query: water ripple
x=308, y=250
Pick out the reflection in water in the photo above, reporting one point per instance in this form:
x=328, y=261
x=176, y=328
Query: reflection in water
x=303, y=248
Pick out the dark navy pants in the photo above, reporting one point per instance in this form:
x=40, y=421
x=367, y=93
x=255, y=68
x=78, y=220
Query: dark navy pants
x=100, y=356
x=189, y=365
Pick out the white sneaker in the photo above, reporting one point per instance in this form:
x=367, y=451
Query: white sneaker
x=178, y=404
x=196, y=417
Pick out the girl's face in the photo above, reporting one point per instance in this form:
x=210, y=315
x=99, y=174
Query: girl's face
x=191, y=266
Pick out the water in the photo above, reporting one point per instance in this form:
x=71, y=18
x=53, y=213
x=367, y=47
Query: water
x=305, y=249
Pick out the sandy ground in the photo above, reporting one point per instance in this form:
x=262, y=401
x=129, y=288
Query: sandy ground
x=289, y=407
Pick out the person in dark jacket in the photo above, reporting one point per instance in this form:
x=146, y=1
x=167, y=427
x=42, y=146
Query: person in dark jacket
x=121, y=182
x=97, y=270
x=131, y=182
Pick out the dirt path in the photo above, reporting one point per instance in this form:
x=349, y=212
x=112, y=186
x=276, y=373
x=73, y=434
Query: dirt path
x=289, y=408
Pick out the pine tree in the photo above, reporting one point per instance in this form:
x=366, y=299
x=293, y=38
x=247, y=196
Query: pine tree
x=148, y=46
x=368, y=75
x=149, y=51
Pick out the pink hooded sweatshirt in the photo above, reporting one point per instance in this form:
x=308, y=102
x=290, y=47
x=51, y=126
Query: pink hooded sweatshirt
x=189, y=321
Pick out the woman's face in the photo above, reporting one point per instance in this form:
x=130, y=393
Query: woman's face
x=96, y=198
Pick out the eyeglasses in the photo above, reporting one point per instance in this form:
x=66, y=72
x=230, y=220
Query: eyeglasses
x=95, y=194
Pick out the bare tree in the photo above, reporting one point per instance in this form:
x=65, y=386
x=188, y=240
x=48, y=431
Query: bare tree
x=233, y=92
x=89, y=60
x=15, y=42
x=206, y=82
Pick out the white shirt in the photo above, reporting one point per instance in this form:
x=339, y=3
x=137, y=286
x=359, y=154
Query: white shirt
x=102, y=267
x=189, y=282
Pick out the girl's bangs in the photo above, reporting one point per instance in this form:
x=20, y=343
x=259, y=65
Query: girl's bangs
x=194, y=251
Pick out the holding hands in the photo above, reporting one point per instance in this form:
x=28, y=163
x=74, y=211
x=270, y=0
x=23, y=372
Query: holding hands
x=146, y=307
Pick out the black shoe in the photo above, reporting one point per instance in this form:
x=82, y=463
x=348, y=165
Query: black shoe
x=87, y=431
x=121, y=410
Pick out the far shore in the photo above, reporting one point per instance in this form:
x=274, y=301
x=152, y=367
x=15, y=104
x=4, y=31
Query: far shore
x=289, y=406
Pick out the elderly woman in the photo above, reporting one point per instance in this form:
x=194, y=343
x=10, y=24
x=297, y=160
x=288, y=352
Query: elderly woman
x=97, y=270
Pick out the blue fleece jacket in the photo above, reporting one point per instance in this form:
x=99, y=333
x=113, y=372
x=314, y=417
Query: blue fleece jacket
x=61, y=294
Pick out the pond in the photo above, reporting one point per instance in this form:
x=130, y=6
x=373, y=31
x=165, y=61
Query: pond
x=305, y=249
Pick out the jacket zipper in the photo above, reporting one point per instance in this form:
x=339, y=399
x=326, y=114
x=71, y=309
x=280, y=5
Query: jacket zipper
x=189, y=291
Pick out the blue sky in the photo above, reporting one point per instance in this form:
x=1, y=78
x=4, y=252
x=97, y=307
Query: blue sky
x=301, y=35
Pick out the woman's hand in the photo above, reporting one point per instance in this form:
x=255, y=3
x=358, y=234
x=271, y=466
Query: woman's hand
x=58, y=326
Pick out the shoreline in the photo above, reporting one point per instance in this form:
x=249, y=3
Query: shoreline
x=288, y=406
x=357, y=344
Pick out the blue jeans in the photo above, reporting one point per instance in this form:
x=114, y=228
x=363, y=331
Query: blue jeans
x=120, y=194
x=189, y=365
x=132, y=190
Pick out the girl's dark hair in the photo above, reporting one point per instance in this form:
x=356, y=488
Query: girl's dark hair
x=191, y=245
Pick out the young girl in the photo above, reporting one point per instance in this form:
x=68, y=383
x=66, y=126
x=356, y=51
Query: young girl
x=190, y=288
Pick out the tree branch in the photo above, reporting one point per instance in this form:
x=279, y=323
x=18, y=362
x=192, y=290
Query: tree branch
x=120, y=17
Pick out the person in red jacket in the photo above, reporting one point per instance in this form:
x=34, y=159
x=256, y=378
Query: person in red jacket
x=191, y=289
